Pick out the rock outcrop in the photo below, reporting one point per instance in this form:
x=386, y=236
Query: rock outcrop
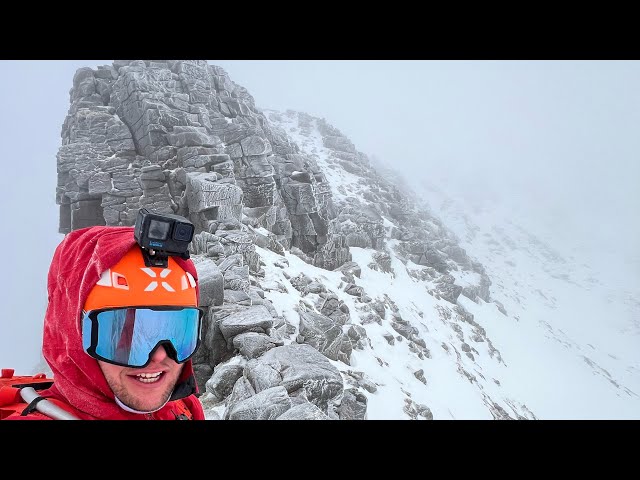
x=181, y=137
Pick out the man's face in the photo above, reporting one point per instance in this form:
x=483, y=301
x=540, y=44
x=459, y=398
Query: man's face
x=144, y=389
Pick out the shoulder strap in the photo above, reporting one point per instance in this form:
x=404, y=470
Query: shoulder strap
x=181, y=411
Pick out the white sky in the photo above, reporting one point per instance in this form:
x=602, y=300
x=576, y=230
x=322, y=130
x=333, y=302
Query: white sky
x=556, y=140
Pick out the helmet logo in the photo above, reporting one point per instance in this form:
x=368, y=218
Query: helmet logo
x=154, y=284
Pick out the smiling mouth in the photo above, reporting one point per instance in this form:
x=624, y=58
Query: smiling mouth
x=148, y=377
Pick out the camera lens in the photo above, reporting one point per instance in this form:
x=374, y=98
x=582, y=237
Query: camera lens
x=183, y=232
x=158, y=230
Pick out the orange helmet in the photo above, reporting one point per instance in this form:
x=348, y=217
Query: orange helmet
x=131, y=283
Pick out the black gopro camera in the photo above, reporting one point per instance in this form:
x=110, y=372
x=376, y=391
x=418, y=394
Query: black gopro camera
x=162, y=235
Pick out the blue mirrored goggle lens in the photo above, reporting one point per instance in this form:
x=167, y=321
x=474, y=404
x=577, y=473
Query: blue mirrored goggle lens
x=128, y=335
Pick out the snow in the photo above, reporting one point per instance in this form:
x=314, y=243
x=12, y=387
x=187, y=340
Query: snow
x=447, y=394
x=568, y=345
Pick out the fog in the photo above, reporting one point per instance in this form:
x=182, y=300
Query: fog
x=557, y=142
x=554, y=142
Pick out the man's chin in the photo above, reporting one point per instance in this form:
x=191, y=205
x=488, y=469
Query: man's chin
x=147, y=397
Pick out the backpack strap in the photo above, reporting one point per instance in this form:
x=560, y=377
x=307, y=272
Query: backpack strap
x=181, y=411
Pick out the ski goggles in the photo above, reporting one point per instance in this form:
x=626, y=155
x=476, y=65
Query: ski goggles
x=128, y=336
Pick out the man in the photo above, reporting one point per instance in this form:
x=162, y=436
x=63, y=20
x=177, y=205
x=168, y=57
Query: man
x=119, y=335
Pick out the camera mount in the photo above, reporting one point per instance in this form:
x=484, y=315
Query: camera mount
x=161, y=236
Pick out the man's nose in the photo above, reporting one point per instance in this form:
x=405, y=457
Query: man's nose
x=160, y=354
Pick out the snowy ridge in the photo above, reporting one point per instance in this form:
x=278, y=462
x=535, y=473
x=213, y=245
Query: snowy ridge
x=533, y=359
x=455, y=373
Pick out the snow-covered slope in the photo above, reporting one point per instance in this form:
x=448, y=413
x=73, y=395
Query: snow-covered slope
x=573, y=330
x=543, y=347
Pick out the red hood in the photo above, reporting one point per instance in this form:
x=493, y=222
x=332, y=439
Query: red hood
x=77, y=264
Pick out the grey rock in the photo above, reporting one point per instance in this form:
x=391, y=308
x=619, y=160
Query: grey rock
x=358, y=239
x=431, y=258
x=237, y=278
x=262, y=375
x=415, y=410
x=353, y=405
x=447, y=279
x=358, y=336
x=191, y=137
x=100, y=183
x=500, y=307
x=450, y=292
x=331, y=306
x=303, y=411
x=379, y=308
x=424, y=411
x=211, y=199
x=268, y=404
x=316, y=287
x=300, y=367
x=350, y=267
x=389, y=338
x=223, y=379
x=238, y=297
x=205, y=243
x=354, y=290
x=203, y=373
x=255, y=145
x=252, y=344
x=210, y=281
x=382, y=262
x=300, y=282
x=242, y=390
x=368, y=385
x=325, y=334
x=252, y=319
x=339, y=143
x=471, y=292
x=404, y=328
x=458, y=255
x=420, y=376
x=234, y=260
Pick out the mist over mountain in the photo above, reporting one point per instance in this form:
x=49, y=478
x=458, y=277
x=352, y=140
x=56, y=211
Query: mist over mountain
x=554, y=141
x=344, y=285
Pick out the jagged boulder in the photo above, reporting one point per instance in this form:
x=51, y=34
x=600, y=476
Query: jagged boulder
x=331, y=306
x=252, y=344
x=252, y=319
x=297, y=367
x=449, y=291
x=268, y=404
x=353, y=405
x=223, y=379
x=325, y=335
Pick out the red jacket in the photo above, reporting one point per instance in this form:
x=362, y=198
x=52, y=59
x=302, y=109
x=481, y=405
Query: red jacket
x=77, y=264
